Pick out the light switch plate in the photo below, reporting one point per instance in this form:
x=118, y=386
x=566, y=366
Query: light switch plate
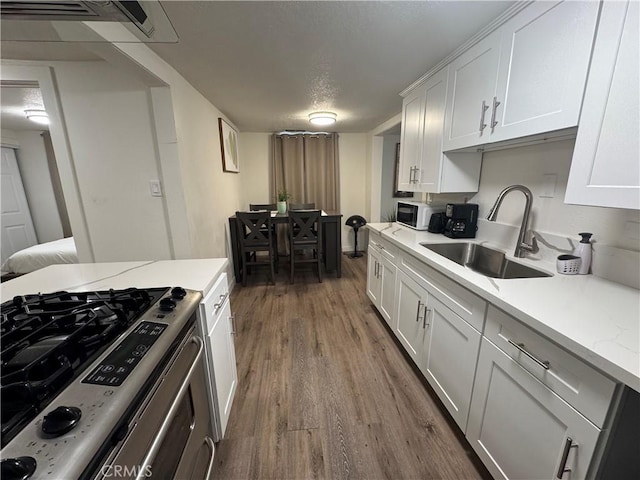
x=549, y=185
x=632, y=230
x=155, y=187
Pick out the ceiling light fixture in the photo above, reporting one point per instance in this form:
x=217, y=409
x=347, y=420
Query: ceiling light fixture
x=38, y=116
x=322, y=118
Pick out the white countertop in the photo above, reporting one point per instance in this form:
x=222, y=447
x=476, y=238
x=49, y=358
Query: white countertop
x=593, y=318
x=196, y=274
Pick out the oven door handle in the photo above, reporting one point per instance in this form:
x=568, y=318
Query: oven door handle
x=212, y=447
x=164, y=428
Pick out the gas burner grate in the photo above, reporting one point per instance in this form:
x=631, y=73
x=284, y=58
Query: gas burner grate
x=48, y=340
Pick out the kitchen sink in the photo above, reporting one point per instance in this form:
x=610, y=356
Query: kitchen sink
x=484, y=260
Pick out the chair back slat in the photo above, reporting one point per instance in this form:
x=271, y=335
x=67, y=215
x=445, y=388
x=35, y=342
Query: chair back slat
x=254, y=228
x=302, y=206
x=262, y=206
x=304, y=226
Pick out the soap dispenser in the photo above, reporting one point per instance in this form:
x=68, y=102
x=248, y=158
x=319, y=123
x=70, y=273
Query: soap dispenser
x=583, y=250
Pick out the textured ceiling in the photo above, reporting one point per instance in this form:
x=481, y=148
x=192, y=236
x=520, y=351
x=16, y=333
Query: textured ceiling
x=267, y=65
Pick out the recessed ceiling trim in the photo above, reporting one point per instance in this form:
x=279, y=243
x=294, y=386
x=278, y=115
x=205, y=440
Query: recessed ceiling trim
x=18, y=84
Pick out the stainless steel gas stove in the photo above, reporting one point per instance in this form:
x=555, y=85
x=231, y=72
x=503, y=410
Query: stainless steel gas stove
x=107, y=384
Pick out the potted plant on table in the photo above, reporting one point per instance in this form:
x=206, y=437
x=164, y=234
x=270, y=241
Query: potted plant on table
x=282, y=197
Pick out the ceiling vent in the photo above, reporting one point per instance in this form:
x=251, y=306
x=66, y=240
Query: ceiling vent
x=144, y=15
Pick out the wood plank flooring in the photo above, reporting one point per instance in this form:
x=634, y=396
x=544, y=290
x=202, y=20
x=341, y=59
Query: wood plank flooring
x=325, y=392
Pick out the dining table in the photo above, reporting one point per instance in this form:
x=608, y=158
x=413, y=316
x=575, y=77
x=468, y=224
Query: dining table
x=331, y=240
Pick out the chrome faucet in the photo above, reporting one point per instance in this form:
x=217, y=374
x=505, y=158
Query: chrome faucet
x=521, y=246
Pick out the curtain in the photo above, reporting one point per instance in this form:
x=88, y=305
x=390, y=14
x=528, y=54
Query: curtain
x=306, y=165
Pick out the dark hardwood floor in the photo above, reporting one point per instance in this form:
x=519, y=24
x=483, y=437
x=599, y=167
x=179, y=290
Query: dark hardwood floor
x=325, y=392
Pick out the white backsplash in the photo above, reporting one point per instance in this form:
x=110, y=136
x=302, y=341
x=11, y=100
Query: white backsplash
x=614, y=264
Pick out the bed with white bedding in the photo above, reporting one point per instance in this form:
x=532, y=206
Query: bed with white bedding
x=42, y=255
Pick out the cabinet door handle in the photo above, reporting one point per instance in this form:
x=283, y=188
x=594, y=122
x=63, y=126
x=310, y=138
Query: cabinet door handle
x=494, y=122
x=379, y=270
x=233, y=324
x=376, y=269
x=418, y=311
x=520, y=346
x=216, y=306
x=411, y=172
x=483, y=110
x=562, y=468
x=415, y=177
x=426, y=312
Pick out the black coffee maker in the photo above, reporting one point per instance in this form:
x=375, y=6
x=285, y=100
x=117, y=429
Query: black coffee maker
x=462, y=220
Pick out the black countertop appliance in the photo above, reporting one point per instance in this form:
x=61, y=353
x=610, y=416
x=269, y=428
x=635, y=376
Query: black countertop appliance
x=462, y=220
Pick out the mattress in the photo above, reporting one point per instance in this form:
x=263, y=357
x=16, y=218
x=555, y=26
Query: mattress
x=42, y=255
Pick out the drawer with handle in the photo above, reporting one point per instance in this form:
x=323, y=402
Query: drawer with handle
x=215, y=300
x=384, y=247
x=579, y=384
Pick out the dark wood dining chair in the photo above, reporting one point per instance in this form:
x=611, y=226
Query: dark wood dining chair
x=270, y=207
x=255, y=235
x=254, y=207
x=305, y=233
x=302, y=206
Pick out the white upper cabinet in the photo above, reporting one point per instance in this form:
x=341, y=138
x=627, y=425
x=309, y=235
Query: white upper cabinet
x=423, y=166
x=525, y=78
x=605, y=169
x=545, y=56
x=472, y=86
x=411, y=139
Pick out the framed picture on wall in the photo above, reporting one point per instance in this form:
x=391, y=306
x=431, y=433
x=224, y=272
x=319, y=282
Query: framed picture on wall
x=229, y=146
x=398, y=193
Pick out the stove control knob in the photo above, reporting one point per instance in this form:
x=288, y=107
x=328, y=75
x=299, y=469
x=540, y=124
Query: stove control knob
x=20, y=468
x=167, y=304
x=178, y=293
x=61, y=420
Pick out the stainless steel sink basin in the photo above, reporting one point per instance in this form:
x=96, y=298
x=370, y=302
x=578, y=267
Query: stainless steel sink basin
x=484, y=260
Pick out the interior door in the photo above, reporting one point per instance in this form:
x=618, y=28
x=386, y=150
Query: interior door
x=17, y=226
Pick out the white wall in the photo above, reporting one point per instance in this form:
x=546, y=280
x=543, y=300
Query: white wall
x=255, y=172
x=111, y=136
x=9, y=139
x=352, y=150
x=353, y=191
x=526, y=166
x=34, y=169
x=208, y=195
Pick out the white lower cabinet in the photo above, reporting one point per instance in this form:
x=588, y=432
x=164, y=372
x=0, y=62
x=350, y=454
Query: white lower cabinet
x=443, y=345
x=521, y=429
x=373, y=279
x=451, y=354
x=387, y=289
x=216, y=326
x=529, y=409
x=381, y=277
x=411, y=299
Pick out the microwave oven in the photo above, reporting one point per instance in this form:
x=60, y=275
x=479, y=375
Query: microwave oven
x=416, y=214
